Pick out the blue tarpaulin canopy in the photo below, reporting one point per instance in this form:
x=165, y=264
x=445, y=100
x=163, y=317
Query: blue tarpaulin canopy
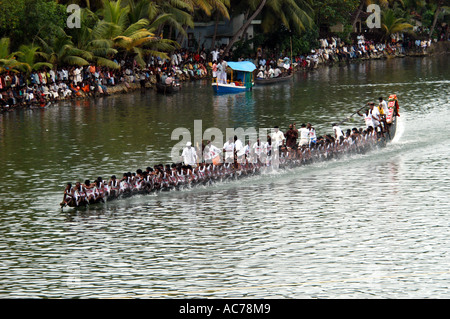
x=244, y=66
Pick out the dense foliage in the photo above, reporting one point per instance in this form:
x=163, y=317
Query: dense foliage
x=34, y=33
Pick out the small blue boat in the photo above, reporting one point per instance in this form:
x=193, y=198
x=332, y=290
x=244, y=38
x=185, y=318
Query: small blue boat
x=241, y=78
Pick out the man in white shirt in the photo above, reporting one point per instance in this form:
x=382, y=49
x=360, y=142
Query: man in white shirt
x=174, y=59
x=215, y=55
x=239, y=149
x=337, y=131
x=278, y=137
x=224, y=71
x=228, y=150
x=276, y=73
x=257, y=151
x=312, y=134
x=189, y=155
x=367, y=118
x=304, y=135
x=270, y=72
x=210, y=152
x=260, y=74
x=376, y=116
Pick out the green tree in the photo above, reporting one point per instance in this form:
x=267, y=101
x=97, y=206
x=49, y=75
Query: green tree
x=60, y=50
x=391, y=24
x=439, y=8
x=31, y=58
x=134, y=38
x=33, y=18
x=7, y=58
x=331, y=12
x=293, y=14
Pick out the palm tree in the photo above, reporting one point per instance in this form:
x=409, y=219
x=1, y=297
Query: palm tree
x=439, y=8
x=390, y=24
x=8, y=61
x=130, y=31
x=220, y=9
x=89, y=39
x=29, y=55
x=294, y=14
x=62, y=51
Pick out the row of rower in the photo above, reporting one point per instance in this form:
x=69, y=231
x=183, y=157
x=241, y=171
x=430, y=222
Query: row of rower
x=258, y=158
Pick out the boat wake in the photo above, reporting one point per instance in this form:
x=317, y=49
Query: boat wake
x=400, y=130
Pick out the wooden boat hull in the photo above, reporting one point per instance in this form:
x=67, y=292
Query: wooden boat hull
x=166, y=89
x=273, y=80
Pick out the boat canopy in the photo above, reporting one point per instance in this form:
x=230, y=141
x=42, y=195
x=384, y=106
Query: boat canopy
x=244, y=66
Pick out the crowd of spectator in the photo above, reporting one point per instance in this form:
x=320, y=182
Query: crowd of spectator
x=46, y=85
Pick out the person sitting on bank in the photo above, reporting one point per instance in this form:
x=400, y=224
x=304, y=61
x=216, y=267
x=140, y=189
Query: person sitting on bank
x=276, y=73
x=260, y=74
x=169, y=80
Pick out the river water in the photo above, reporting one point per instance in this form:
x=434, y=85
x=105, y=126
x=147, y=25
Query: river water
x=366, y=226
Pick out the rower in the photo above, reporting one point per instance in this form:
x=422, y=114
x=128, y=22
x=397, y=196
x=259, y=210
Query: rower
x=89, y=190
x=304, y=135
x=257, y=149
x=113, y=186
x=211, y=153
x=376, y=117
x=312, y=134
x=367, y=118
x=124, y=186
x=98, y=190
x=79, y=194
x=228, y=150
x=337, y=131
x=68, y=195
x=268, y=151
x=238, y=146
x=291, y=136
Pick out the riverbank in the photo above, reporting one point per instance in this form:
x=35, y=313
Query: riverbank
x=303, y=64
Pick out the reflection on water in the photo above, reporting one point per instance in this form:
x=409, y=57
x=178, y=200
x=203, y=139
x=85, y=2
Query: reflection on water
x=365, y=226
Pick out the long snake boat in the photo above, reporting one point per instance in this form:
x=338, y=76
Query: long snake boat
x=178, y=176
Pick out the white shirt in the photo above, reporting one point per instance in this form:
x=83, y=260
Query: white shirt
x=238, y=146
x=215, y=55
x=189, y=156
x=368, y=119
x=337, y=130
x=257, y=148
x=277, y=72
x=214, y=151
x=375, y=113
x=304, y=133
x=277, y=138
x=229, y=150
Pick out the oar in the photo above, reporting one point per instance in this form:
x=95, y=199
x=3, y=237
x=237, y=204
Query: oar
x=345, y=120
